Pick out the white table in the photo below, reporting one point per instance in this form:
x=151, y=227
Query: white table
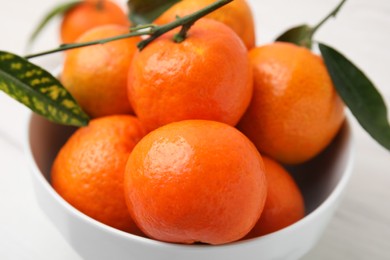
x=361, y=227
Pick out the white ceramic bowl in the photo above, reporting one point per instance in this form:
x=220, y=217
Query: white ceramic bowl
x=322, y=181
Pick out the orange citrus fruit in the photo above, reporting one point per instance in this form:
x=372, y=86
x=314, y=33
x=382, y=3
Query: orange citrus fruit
x=195, y=181
x=295, y=111
x=284, y=204
x=88, y=171
x=207, y=76
x=237, y=15
x=96, y=76
x=89, y=14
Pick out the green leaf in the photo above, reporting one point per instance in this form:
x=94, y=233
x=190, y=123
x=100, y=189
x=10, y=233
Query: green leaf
x=359, y=94
x=146, y=11
x=58, y=10
x=300, y=35
x=38, y=90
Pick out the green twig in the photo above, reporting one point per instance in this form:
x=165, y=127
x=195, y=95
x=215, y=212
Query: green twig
x=64, y=47
x=332, y=14
x=154, y=31
x=181, y=36
x=185, y=21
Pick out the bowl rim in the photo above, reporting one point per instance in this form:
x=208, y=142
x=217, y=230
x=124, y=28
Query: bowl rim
x=329, y=200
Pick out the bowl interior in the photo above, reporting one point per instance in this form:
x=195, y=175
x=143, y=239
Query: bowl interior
x=321, y=180
x=316, y=178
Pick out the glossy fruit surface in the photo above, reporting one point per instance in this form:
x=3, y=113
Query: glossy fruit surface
x=90, y=14
x=295, y=111
x=96, y=76
x=284, y=204
x=195, y=181
x=207, y=76
x=88, y=170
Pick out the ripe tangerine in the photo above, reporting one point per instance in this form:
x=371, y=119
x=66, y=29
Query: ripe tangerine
x=89, y=14
x=207, y=76
x=195, y=181
x=284, y=204
x=295, y=111
x=96, y=76
x=88, y=170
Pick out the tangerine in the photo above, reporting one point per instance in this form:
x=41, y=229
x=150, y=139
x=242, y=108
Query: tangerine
x=89, y=14
x=295, y=111
x=207, y=76
x=284, y=204
x=237, y=15
x=89, y=169
x=195, y=181
x=96, y=76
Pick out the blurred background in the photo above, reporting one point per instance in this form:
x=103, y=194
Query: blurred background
x=361, y=227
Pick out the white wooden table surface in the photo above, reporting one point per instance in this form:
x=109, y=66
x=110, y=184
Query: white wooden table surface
x=361, y=227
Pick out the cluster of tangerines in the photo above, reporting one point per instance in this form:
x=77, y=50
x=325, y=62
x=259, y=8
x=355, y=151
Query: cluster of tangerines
x=188, y=139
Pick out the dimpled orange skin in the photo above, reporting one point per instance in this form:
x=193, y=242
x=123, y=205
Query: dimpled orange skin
x=87, y=15
x=195, y=181
x=207, y=76
x=295, y=111
x=237, y=15
x=96, y=76
x=88, y=170
x=284, y=204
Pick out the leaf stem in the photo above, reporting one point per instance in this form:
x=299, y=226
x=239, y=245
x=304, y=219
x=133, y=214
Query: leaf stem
x=182, y=34
x=331, y=14
x=64, y=47
x=154, y=31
